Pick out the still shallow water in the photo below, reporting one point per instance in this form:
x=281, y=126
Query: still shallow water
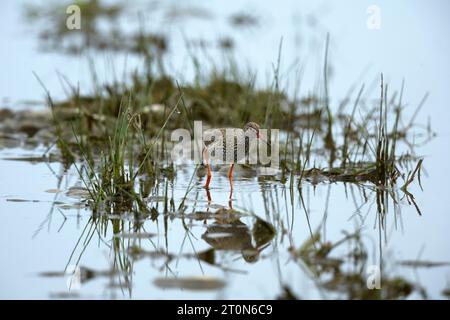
x=35, y=239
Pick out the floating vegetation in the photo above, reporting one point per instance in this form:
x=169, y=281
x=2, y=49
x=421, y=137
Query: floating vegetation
x=84, y=274
x=423, y=264
x=190, y=283
x=244, y=20
x=21, y=200
x=137, y=235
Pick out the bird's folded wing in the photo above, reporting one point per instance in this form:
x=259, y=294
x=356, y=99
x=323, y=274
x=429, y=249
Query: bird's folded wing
x=219, y=134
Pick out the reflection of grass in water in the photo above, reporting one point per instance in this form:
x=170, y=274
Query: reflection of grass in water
x=128, y=249
x=346, y=272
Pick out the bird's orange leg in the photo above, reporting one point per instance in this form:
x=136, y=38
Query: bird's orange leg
x=230, y=178
x=208, y=195
x=205, y=158
x=208, y=178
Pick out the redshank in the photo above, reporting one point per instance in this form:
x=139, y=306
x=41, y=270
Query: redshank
x=231, y=153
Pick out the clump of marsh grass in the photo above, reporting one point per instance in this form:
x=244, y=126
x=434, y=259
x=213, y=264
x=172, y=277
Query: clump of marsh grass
x=112, y=179
x=112, y=175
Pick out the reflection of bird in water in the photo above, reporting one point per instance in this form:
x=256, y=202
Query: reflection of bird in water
x=232, y=234
x=229, y=153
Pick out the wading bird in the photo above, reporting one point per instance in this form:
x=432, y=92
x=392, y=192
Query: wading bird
x=220, y=148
